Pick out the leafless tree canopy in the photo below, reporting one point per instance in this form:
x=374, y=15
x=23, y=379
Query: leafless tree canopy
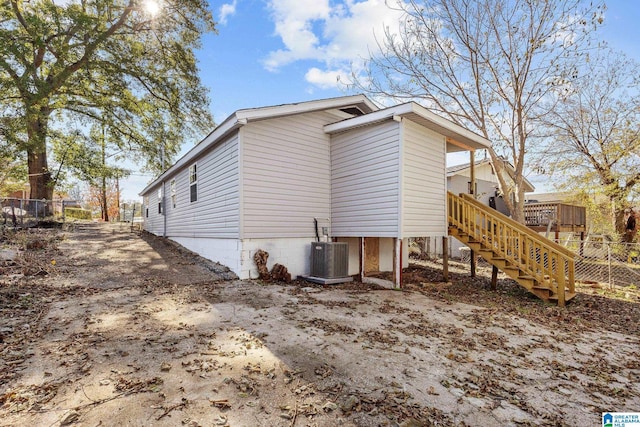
x=485, y=64
x=595, y=132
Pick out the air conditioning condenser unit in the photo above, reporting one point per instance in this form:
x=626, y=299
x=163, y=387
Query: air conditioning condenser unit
x=329, y=260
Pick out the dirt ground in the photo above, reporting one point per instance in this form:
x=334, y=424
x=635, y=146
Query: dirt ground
x=103, y=327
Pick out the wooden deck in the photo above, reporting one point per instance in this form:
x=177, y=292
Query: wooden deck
x=556, y=217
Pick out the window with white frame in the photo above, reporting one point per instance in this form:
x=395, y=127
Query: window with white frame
x=146, y=206
x=172, y=187
x=160, y=200
x=193, y=182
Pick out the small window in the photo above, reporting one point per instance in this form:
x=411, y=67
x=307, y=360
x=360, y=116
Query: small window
x=193, y=183
x=146, y=206
x=160, y=200
x=173, y=193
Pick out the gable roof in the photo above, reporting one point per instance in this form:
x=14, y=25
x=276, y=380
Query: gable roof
x=456, y=169
x=458, y=138
x=348, y=106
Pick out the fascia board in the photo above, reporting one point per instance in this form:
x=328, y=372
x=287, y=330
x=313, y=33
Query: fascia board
x=242, y=117
x=434, y=122
x=262, y=113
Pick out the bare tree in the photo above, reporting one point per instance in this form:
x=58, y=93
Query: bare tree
x=595, y=132
x=484, y=64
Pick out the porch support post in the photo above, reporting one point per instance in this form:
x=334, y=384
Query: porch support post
x=472, y=190
x=397, y=262
x=362, y=258
x=445, y=258
x=472, y=170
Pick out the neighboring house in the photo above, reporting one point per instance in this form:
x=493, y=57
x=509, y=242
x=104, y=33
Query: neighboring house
x=487, y=183
x=555, y=197
x=371, y=177
x=487, y=191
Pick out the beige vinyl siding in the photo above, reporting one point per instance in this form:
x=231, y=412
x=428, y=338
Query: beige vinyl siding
x=216, y=212
x=286, y=178
x=365, y=181
x=424, y=182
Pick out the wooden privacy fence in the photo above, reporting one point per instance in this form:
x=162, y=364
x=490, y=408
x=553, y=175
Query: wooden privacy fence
x=540, y=265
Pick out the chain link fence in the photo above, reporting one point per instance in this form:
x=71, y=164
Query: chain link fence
x=20, y=213
x=598, y=260
x=603, y=261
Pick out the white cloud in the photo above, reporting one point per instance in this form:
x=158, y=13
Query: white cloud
x=334, y=35
x=326, y=79
x=226, y=10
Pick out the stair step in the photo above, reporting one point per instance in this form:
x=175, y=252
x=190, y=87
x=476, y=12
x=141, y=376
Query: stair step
x=568, y=296
x=527, y=281
x=502, y=257
x=543, y=294
x=501, y=263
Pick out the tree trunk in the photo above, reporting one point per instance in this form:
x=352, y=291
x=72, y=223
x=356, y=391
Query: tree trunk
x=103, y=189
x=40, y=181
x=517, y=213
x=39, y=175
x=103, y=196
x=619, y=220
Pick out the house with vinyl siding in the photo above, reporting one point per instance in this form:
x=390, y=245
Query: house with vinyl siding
x=370, y=177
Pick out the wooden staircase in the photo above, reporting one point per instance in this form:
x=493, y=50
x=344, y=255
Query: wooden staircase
x=543, y=267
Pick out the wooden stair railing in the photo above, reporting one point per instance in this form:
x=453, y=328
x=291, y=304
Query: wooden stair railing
x=543, y=267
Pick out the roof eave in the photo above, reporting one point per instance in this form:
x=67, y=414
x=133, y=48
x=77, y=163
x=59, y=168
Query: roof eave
x=242, y=117
x=262, y=113
x=464, y=137
x=229, y=125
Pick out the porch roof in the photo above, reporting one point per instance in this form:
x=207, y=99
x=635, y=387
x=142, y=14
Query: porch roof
x=458, y=137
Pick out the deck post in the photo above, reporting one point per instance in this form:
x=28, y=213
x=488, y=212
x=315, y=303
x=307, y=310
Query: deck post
x=494, y=278
x=445, y=258
x=473, y=263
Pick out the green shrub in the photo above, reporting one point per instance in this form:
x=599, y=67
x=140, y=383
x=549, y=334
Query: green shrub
x=77, y=213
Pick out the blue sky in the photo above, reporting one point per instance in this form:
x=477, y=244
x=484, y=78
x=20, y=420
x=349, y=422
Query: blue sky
x=270, y=52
